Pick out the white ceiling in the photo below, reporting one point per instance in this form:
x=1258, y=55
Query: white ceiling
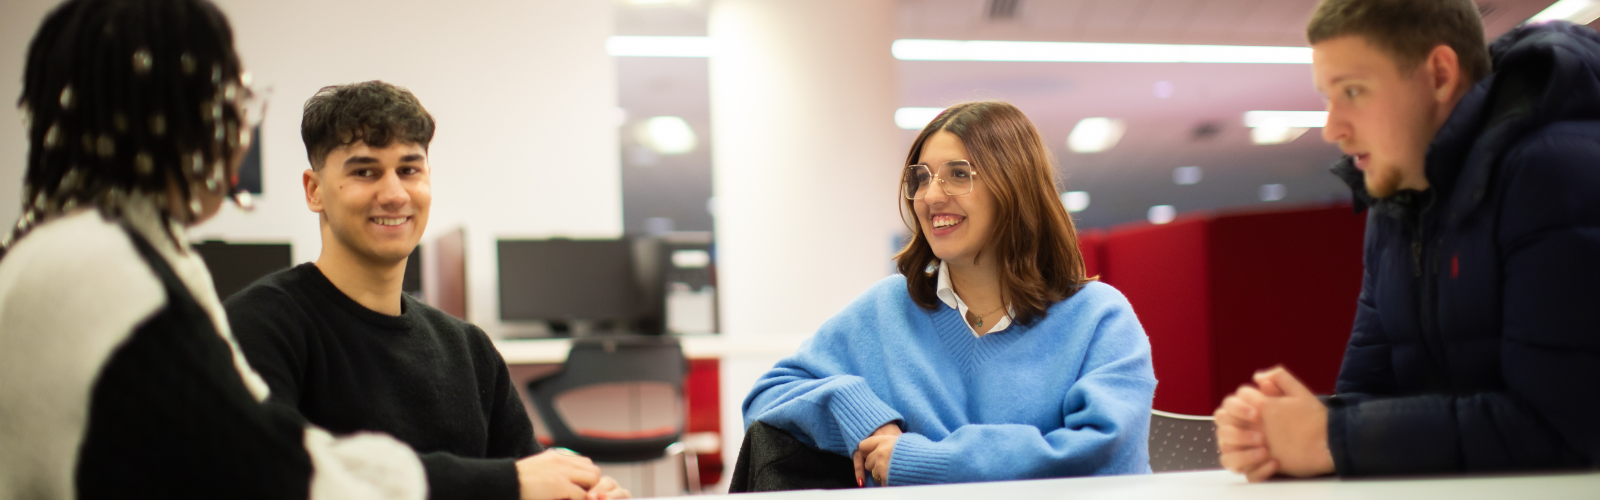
x=1125, y=181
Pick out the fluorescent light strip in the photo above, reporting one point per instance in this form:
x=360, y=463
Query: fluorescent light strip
x=1576, y=11
x=915, y=118
x=980, y=50
x=659, y=46
x=1297, y=119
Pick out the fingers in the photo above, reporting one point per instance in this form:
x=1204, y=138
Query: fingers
x=1244, y=461
x=1262, y=472
x=1236, y=412
x=1285, y=381
x=878, y=463
x=1231, y=438
x=608, y=489
x=858, y=457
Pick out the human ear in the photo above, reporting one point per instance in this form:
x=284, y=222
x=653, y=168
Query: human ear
x=1444, y=73
x=313, y=185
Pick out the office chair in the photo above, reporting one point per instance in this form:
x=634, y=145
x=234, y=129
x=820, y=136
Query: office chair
x=619, y=399
x=1182, y=442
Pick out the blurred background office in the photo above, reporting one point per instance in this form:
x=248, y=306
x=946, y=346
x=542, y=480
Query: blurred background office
x=727, y=168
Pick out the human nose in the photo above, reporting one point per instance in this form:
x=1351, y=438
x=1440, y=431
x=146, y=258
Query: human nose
x=935, y=192
x=1337, y=128
x=392, y=192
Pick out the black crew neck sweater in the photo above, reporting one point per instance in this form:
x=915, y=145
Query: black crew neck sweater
x=428, y=379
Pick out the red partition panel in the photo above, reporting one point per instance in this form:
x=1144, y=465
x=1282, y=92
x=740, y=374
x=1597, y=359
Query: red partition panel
x=1283, y=291
x=1091, y=243
x=701, y=390
x=1164, y=273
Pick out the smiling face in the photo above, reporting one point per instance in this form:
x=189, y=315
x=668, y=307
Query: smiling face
x=374, y=201
x=957, y=227
x=1382, y=115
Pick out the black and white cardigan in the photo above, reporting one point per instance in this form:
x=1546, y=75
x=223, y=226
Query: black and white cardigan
x=119, y=378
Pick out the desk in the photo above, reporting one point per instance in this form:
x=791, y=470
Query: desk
x=1226, y=485
x=708, y=346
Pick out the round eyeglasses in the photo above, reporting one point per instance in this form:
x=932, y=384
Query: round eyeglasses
x=955, y=179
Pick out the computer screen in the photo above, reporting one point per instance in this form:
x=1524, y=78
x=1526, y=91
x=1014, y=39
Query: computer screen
x=567, y=280
x=235, y=266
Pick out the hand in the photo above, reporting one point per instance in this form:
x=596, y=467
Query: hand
x=553, y=475
x=1240, y=439
x=608, y=489
x=872, y=454
x=1295, y=425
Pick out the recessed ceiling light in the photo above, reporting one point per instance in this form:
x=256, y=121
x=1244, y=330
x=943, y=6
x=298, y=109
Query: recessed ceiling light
x=1163, y=89
x=668, y=135
x=1272, y=192
x=987, y=50
x=915, y=118
x=1186, y=176
x=1576, y=11
x=1093, y=135
x=1075, y=201
x=659, y=46
x=1275, y=135
x=1161, y=214
x=1302, y=119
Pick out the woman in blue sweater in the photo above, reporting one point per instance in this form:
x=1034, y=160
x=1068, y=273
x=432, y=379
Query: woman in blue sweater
x=993, y=356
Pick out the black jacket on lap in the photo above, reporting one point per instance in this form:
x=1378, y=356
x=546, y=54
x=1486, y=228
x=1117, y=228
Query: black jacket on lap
x=1476, y=344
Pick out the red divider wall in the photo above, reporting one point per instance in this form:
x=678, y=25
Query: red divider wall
x=1163, y=272
x=1224, y=296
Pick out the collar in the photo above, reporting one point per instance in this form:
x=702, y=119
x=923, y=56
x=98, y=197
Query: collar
x=947, y=294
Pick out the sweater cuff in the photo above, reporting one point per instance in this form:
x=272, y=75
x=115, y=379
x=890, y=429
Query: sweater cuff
x=451, y=477
x=859, y=412
x=1337, y=442
x=919, y=460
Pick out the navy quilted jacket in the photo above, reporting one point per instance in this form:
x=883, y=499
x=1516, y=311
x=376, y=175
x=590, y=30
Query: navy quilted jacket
x=1476, y=344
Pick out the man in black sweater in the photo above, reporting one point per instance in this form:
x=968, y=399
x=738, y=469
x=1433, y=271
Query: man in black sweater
x=339, y=342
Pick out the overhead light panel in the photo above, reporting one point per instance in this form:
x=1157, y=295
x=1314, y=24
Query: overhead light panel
x=915, y=118
x=1093, y=135
x=659, y=46
x=1161, y=214
x=1302, y=119
x=1278, y=127
x=1187, y=176
x=1075, y=201
x=668, y=135
x=1272, y=192
x=1576, y=11
x=988, y=50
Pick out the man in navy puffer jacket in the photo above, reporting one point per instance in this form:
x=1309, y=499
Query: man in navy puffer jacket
x=1476, y=344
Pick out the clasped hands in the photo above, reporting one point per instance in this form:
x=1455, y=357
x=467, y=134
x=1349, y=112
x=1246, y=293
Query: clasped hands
x=554, y=475
x=872, y=455
x=1276, y=427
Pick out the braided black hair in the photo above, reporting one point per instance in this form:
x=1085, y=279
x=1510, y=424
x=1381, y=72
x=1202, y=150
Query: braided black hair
x=124, y=98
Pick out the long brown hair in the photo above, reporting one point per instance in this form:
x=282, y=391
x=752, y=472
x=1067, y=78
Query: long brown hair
x=1034, y=242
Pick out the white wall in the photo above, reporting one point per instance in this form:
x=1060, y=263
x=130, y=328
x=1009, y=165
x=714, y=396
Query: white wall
x=523, y=91
x=805, y=162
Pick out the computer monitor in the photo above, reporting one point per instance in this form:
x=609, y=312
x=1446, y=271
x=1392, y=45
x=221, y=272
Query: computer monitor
x=235, y=266
x=562, y=281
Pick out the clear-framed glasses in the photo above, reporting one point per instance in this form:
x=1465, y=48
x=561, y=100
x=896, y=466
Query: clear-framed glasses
x=954, y=177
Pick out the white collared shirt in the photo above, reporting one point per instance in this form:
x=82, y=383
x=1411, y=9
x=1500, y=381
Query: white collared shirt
x=947, y=294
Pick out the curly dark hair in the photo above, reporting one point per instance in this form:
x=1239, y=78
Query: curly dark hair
x=374, y=113
x=127, y=97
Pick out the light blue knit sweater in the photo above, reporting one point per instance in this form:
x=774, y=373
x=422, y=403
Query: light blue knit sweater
x=1066, y=396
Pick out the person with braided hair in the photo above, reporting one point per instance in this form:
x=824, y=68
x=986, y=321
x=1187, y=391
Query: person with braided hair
x=120, y=375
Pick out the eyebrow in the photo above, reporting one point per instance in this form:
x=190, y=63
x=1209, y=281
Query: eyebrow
x=368, y=160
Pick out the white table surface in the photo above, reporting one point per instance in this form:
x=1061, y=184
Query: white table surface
x=708, y=346
x=1225, y=485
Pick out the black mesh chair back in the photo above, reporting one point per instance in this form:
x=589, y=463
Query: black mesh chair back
x=613, y=360
x=1182, y=442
